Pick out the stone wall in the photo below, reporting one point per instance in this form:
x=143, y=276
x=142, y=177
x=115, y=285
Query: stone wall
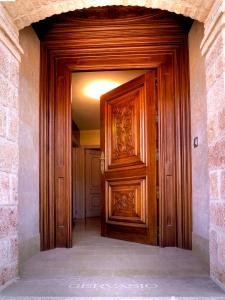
x=213, y=47
x=28, y=189
x=25, y=12
x=200, y=180
x=9, y=81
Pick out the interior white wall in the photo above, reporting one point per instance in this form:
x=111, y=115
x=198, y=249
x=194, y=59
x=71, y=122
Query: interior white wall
x=200, y=181
x=29, y=237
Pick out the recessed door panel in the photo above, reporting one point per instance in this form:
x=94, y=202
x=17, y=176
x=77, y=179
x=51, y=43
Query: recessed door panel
x=92, y=183
x=125, y=124
x=127, y=203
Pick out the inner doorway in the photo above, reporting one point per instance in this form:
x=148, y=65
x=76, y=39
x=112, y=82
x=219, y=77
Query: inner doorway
x=127, y=215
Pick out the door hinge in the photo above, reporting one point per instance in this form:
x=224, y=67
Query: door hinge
x=157, y=117
x=157, y=154
x=157, y=192
x=156, y=81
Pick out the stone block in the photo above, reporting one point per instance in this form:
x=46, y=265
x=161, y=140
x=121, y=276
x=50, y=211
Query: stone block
x=222, y=185
x=8, y=273
x=217, y=214
x=215, y=98
x=8, y=93
x=4, y=188
x=213, y=246
x=8, y=220
x=13, y=189
x=217, y=155
x=221, y=122
x=221, y=249
x=212, y=131
x=219, y=65
x=13, y=249
x=14, y=72
x=4, y=251
x=12, y=125
x=215, y=51
x=8, y=156
x=5, y=57
x=2, y=121
x=210, y=75
x=213, y=185
x=217, y=272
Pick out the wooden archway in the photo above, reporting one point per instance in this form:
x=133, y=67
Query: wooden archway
x=113, y=38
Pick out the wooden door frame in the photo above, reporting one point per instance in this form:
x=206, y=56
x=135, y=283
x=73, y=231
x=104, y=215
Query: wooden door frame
x=57, y=65
x=94, y=147
x=68, y=69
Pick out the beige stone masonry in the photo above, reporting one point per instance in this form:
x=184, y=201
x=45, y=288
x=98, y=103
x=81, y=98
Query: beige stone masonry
x=213, y=47
x=9, y=34
x=10, y=52
x=21, y=13
x=25, y=12
x=214, y=23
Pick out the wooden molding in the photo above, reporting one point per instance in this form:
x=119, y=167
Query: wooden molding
x=90, y=146
x=144, y=39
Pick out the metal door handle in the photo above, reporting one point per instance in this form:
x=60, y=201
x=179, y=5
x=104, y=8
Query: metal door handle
x=102, y=162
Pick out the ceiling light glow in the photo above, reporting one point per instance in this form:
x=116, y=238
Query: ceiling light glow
x=95, y=89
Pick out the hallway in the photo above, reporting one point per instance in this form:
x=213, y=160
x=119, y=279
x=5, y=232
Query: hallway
x=98, y=266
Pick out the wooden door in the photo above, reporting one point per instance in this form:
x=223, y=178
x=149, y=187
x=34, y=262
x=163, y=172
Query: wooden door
x=92, y=183
x=61, y=162
x=128, y=140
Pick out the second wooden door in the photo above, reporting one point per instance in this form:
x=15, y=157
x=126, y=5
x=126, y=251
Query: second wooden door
x=92, y=183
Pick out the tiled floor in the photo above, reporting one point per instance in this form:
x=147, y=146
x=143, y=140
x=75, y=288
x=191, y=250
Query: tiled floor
x=98, y=266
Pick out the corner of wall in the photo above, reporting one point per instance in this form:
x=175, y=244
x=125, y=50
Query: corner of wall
x=28, y=185
x=200, y=178
x=200, y=246
x=10, y=54
x=27, y=249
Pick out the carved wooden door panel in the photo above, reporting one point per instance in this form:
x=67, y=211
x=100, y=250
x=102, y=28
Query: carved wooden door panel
x=128, y=140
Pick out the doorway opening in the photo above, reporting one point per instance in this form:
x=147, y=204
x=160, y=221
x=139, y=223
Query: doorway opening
x=87, y=196
x=93, y=40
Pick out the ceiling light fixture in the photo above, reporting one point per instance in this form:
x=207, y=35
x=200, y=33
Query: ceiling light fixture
x=95, y=89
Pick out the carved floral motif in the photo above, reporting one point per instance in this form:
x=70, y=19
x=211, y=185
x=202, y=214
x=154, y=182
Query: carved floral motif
x=124, y=203
x=123, y=126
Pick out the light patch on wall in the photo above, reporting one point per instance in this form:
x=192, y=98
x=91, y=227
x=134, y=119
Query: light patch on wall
x=90, y=137
x=96, y=88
